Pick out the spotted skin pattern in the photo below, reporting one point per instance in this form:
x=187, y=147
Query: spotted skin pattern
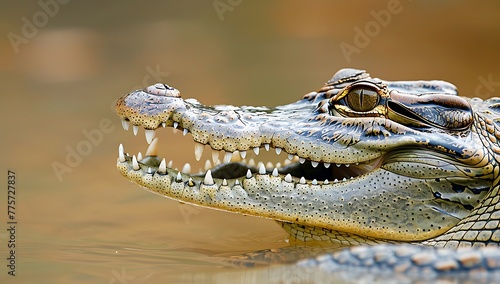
x=372, y=162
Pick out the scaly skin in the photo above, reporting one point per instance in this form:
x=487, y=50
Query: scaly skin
x=378, y=161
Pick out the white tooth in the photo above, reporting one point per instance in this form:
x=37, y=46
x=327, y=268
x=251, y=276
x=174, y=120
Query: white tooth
x=327, y=165
x=179, y=177
x=287, y=162
x=314, y=182
x=288, y=178
x=269, y=165
x=251, y=163
x=344, y=179
x=184, y=131
x=336, y=180
x=176, y=124
x=162, y=169
x=190, y=182
x=256, y=150
x=278, y=165
x=135, y=129
x=150, y=134
x=198, y=151
x=295, y=159
x=290, y=157
x=224, y=182
x=121, y=156
x=170, y=164
x=266, y=146
x=275, y=172
x=187, y=168
x=135, y=165
x=150, y=171
x=262, y=169
x=249, y=174
x=208, y=178
x=236, y=182
x=326, y=182
x=357, y=164
x=338, y=165
x=243, y=154
x=314, y=164
x=302, y=180
x=347, y=165
x=152, y=150
x=302, y=160
x=139, y=156
x=208, y=165
x=278, y=151
x=227, y=157
x=125, y=124
x=351, y=178
x=164, y=124
x=215, y=156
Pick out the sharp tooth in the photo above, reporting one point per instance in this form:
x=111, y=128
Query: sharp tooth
x=290, y=157
x=170, y=164
x=278, y=165
x=150, y=170
x=236, y=182
x=198, y=151
x=164, y=124
x=256, y=150
x=150, y=134
x=184, y=131
x=224, y=182
x=266, y=146
x=262, y=169
x=302, y=160
x=135, y=129
x=227, y=157
x=302, y=180
x=162, y=169
x=243, y=154
x=179, y=177
x=215, y=156
x=125, y=124
x=269, y=166
x=314, y=164
x=347, y=165
x=251, y=163
x=288, y=178
x=152, y=150
x=336, y=180
x=287, y=162
x=135, y=165
x=326, y=182
x=327, y=165
x=176, y=124
x=249, y=174
x=121, y=156
x=344, y=179
x=338, y=165
x=278, y=151
x=191, y=182
x=208, y=165
x=275, y=172
x=314, y=182
x=357, y=164
x=187, y=168
x=139, y=156
x=208, y=178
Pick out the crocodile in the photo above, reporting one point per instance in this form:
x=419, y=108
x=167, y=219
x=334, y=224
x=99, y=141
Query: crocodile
x=408, y=167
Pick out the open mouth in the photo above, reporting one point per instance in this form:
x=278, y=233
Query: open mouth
x=240, y=164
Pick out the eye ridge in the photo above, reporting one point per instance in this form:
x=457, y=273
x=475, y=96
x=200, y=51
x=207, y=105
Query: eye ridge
x=362, y=99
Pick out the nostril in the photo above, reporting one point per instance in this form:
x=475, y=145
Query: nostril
x=163, y=90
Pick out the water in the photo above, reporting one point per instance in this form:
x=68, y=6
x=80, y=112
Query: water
x=79, y=221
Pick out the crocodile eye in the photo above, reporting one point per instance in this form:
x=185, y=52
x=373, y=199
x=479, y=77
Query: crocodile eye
x=362, y=99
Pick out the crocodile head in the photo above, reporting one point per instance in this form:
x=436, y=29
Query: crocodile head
x=366, y=158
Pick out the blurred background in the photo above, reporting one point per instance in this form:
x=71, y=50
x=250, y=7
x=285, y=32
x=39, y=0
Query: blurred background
x=63, y=64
